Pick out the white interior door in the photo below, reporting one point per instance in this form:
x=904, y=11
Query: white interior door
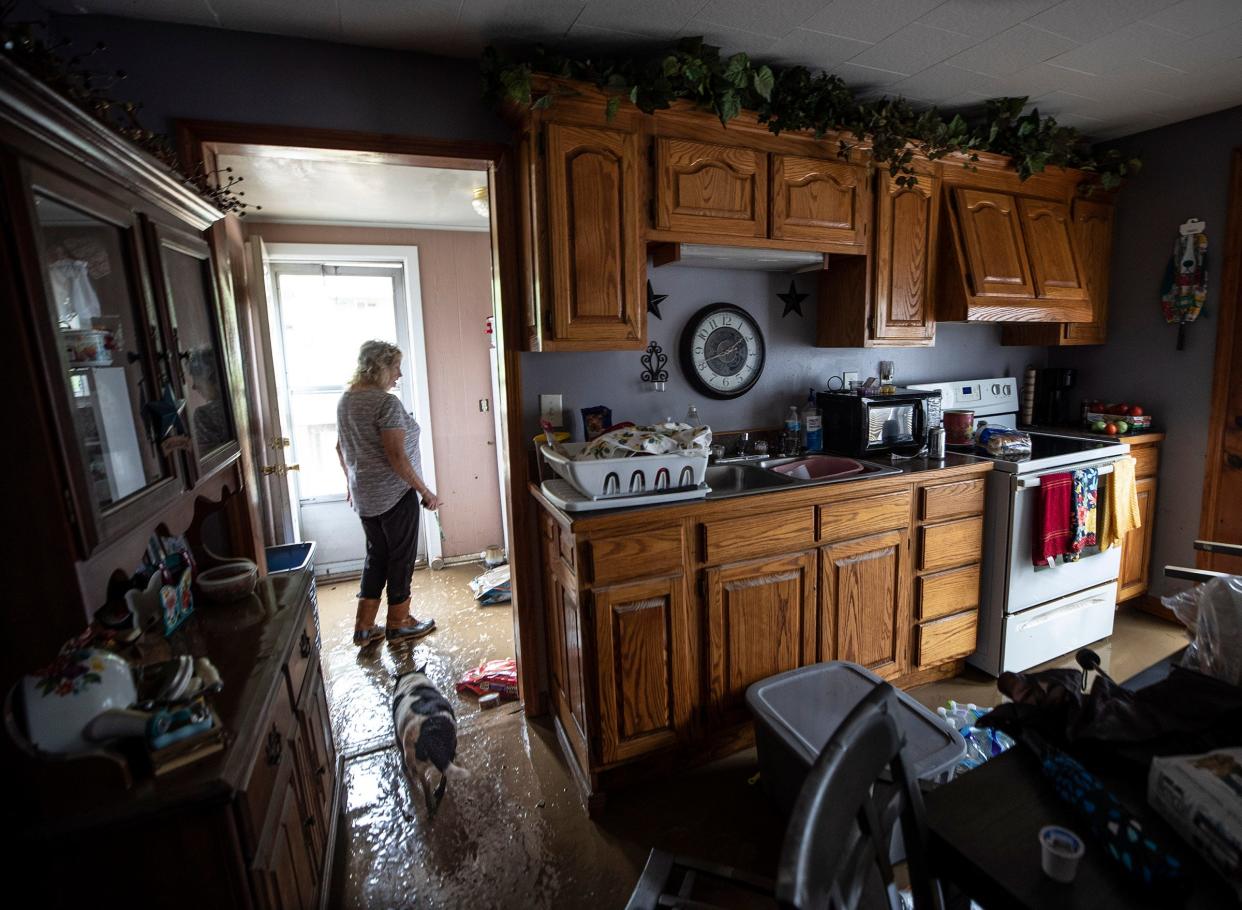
x=327, y=309
x=280, y=519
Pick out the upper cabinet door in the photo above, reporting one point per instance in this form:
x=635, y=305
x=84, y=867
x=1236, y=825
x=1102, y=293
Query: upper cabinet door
x=1093, y=230
x=711, y=189
x=103, y=349
x=185, y=281
x=820, y=201
x=1047, y=227
x=907, y=222
x=598, y=264
x=994, y=249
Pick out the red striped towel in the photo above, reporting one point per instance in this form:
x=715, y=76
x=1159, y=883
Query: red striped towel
x=1052, y=517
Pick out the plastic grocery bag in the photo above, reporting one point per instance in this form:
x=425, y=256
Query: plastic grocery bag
x=492, y=587
x=493, y=676
x=1212, y=614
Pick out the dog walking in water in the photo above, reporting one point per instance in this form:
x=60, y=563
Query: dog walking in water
x=426, y=733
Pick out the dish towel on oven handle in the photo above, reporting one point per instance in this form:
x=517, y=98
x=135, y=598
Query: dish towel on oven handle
x=1052, y=518
x=1119, y=509
x=1083, y=512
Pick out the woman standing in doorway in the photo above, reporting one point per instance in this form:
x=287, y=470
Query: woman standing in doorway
x=377, y=443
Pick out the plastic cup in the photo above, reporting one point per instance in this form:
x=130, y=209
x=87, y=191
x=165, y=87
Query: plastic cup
x=1061, y=851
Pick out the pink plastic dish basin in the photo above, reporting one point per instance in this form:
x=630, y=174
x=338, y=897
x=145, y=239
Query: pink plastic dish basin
x=819, y=467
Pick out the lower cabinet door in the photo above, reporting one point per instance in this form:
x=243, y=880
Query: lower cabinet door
x=864, y=614
x=761, y=621
x=644, y=658
x=319, y=752
x=1136, y=546
x=283, y=872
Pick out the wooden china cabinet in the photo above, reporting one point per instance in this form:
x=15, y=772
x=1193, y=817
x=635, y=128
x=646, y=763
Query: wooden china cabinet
x=126, y=417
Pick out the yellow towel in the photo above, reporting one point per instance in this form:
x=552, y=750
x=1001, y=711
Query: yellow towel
x=1119, y=513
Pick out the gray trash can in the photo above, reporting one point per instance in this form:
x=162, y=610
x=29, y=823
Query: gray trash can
x=797, y=712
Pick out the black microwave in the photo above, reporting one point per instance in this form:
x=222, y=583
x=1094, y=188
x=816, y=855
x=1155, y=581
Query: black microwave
x=862, y=422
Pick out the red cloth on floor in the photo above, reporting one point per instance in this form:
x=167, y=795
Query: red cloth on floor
x=1052, y=517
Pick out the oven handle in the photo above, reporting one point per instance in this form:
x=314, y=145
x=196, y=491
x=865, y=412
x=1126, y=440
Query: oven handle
x=1103, y=467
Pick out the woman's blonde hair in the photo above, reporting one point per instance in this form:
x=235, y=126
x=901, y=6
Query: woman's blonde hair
x=375, y=358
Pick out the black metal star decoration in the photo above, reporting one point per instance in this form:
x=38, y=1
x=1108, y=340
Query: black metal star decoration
x=654, y=300
x=165, y=413
x=792, y=300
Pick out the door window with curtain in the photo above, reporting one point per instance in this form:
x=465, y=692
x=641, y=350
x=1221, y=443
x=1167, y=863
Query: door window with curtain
x=327, y=311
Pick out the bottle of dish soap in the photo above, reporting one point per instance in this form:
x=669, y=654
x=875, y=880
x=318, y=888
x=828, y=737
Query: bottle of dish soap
x=812, y=423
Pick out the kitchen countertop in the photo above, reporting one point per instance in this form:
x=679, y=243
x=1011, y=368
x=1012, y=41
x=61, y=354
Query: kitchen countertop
x=952, y=464
x=1134, y=439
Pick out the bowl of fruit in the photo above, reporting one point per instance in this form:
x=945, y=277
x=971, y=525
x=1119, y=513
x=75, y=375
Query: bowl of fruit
x=1115, y=419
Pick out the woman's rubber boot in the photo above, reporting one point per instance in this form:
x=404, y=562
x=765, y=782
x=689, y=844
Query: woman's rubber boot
x=366, y=632
x=401, y=625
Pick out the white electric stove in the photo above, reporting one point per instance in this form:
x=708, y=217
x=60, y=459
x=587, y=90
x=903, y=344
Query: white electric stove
x=1030, y=614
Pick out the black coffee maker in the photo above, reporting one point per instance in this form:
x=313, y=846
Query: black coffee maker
x=1052, y=397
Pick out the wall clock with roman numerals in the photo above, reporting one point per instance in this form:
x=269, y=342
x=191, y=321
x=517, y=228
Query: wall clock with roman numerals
x=722, y=350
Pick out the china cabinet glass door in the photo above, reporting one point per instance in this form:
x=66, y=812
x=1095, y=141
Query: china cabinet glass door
x=103, y=331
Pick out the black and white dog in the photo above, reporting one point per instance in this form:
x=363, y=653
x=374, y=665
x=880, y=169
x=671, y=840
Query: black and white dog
x=426, y=733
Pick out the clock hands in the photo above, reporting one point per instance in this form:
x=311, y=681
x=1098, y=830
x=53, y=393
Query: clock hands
x=727, y=351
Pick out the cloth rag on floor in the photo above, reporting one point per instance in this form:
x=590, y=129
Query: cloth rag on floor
x=1119, y=510
x=1052, y=517
x=1083, y=512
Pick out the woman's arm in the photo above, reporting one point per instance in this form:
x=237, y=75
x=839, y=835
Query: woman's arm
x=394, y=450
x=340, y=456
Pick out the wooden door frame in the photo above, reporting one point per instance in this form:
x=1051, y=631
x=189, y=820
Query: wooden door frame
x=1226, y=376
x=197, y=141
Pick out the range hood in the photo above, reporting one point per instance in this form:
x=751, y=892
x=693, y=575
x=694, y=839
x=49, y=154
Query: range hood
x=704, y=255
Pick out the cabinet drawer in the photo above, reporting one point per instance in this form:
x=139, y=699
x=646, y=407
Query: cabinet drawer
x=948, y=592
x=953, y=543
x=947, y=639
x=636, y=555
x=302, y=656
x=1146, y=460
x=948, y=500
x=273, y=751
x=857, y=517
x=742, y=538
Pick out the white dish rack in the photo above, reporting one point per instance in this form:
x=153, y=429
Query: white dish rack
x=627, y=478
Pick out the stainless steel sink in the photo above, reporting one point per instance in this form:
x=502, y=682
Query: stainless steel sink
x=741, y=479
x=736, y=479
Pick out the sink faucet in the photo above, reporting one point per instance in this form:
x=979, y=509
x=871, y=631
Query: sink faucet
x=743, y=444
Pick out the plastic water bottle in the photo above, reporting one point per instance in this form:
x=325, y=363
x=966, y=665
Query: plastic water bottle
x=813, y=424
x=692, y=416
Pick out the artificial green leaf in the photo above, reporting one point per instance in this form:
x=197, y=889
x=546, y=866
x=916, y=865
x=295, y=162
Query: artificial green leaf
x=764, y=82
x=614, y=105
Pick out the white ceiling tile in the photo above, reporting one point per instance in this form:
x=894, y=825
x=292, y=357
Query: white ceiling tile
x=867, y=76
x=1192, y=18
x=983, y=19
x=1012, y=50
x=1086, y=20
x=189, y=12
x=868, y=20
x=729, y=40
x=815, y=50
x=385, y=23
x=1116, y=50
x=527, y=20
x=592, y=39
x=1204, y=52
x=772, y=19
x=942, y=83
x=657, y=18
x=913, y=49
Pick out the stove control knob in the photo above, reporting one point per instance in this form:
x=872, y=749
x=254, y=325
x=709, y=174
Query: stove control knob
x=996, y=388
x=1008, y=389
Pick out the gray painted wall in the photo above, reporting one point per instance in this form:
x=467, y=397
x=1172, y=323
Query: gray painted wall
x=793, y=363
x=1185, y=174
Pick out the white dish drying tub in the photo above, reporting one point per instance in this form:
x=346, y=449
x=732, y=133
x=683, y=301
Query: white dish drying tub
x=563, y=495
x=639, y=476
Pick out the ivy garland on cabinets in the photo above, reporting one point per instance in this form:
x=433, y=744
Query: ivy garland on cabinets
x=794, y=98
x=70, y=76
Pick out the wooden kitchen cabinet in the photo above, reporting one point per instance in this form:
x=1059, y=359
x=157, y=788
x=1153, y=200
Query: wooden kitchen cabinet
x=821, y=200
x=708, y=188
x=1132, y=581
x=1049, y=241
x=885, y=299
x=659, y=618
x=863, y=602
x=1093, y=233
x=761, y=621
x=641, y=636
x=991, y=234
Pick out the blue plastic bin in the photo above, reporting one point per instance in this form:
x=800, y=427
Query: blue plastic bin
x=294, y=557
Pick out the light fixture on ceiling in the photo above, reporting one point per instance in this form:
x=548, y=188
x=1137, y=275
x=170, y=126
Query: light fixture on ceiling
x=478, y=201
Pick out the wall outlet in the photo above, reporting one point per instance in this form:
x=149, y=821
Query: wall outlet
x=485, y=404
x=552, y=409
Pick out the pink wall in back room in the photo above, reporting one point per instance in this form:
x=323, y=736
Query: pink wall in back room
x=455, y=268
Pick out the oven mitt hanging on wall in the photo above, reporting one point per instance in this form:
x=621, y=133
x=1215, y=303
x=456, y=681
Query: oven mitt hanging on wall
x=1185, y=280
